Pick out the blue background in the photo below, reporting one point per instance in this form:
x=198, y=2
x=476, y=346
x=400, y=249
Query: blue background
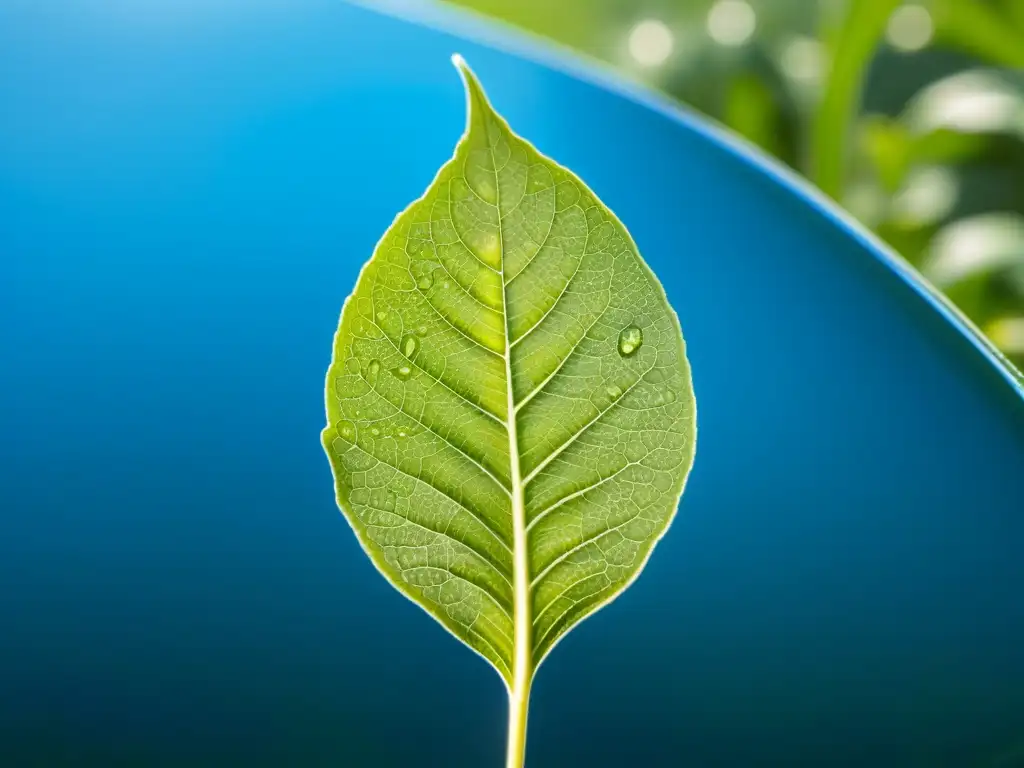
x=187, y=192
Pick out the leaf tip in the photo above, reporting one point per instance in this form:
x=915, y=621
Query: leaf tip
x=476, y=99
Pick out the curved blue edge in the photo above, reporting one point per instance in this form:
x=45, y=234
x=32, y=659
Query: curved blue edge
x=518, y=42
x=187, y=193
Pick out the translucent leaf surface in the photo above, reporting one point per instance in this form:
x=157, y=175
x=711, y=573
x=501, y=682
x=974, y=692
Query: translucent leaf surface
x=510, y=412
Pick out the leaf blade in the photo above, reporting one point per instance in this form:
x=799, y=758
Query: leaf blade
x=506, y=460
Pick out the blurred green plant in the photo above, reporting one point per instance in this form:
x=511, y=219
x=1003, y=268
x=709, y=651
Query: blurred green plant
x=911, y=115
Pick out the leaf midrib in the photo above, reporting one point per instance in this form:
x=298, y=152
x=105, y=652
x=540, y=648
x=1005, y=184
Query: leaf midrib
x=522, y=622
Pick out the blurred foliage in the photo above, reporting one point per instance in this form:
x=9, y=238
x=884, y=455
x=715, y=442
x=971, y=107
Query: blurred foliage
x=910, y=115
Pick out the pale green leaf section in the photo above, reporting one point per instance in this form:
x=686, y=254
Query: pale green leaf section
x=510, y=412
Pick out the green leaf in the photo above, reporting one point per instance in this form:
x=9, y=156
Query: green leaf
x=852, y=43
x=510, y=413
x=979, y=29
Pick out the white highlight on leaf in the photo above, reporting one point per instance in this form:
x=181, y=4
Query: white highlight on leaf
x=927, y=197
x=976, y=244
x=976, y=101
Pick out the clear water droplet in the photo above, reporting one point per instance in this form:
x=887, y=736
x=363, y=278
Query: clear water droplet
x=425, y=282
x=373, y=369
x=630, y=340
x=347, y=431
x=402, y=372
x=422, y=330
x=614, y=392
x=409, y=345
x=375, y=432
x=382, y=315
x=402, y=434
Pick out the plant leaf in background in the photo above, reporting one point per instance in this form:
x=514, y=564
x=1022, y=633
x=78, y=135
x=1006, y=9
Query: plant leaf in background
x=823, y=85
x=510, y=413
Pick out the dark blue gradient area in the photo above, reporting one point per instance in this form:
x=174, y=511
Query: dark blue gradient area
x=187, y=192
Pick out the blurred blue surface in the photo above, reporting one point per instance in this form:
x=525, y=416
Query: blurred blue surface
x=187, y=193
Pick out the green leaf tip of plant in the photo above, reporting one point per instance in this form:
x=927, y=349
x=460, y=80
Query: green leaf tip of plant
x=510, y=412
x=469, y=78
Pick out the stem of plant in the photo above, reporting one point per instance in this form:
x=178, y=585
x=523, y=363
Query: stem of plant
x=518, y=708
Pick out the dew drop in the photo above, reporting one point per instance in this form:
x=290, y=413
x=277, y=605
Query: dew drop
x=614, y=392
x=409, y=345
x=630, y=340
x=422, y=330
x=375, y=432
x=402, y=434
x=373, y=369
x=402, y=372
x=425, y=282
x=347, y=431
x=382, y=315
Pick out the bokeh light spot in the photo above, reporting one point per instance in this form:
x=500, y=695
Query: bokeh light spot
x=650, y=43
x=910, y=28
x=731, y=22
x=803, y=60
x=928, y=196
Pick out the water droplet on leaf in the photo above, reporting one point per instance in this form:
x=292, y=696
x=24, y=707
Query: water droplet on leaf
x=409, y=345
x=630, y=340
x=614, y=392
x=347, y=431
x=402, y=372
x=375, y=432
x=373, y=369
